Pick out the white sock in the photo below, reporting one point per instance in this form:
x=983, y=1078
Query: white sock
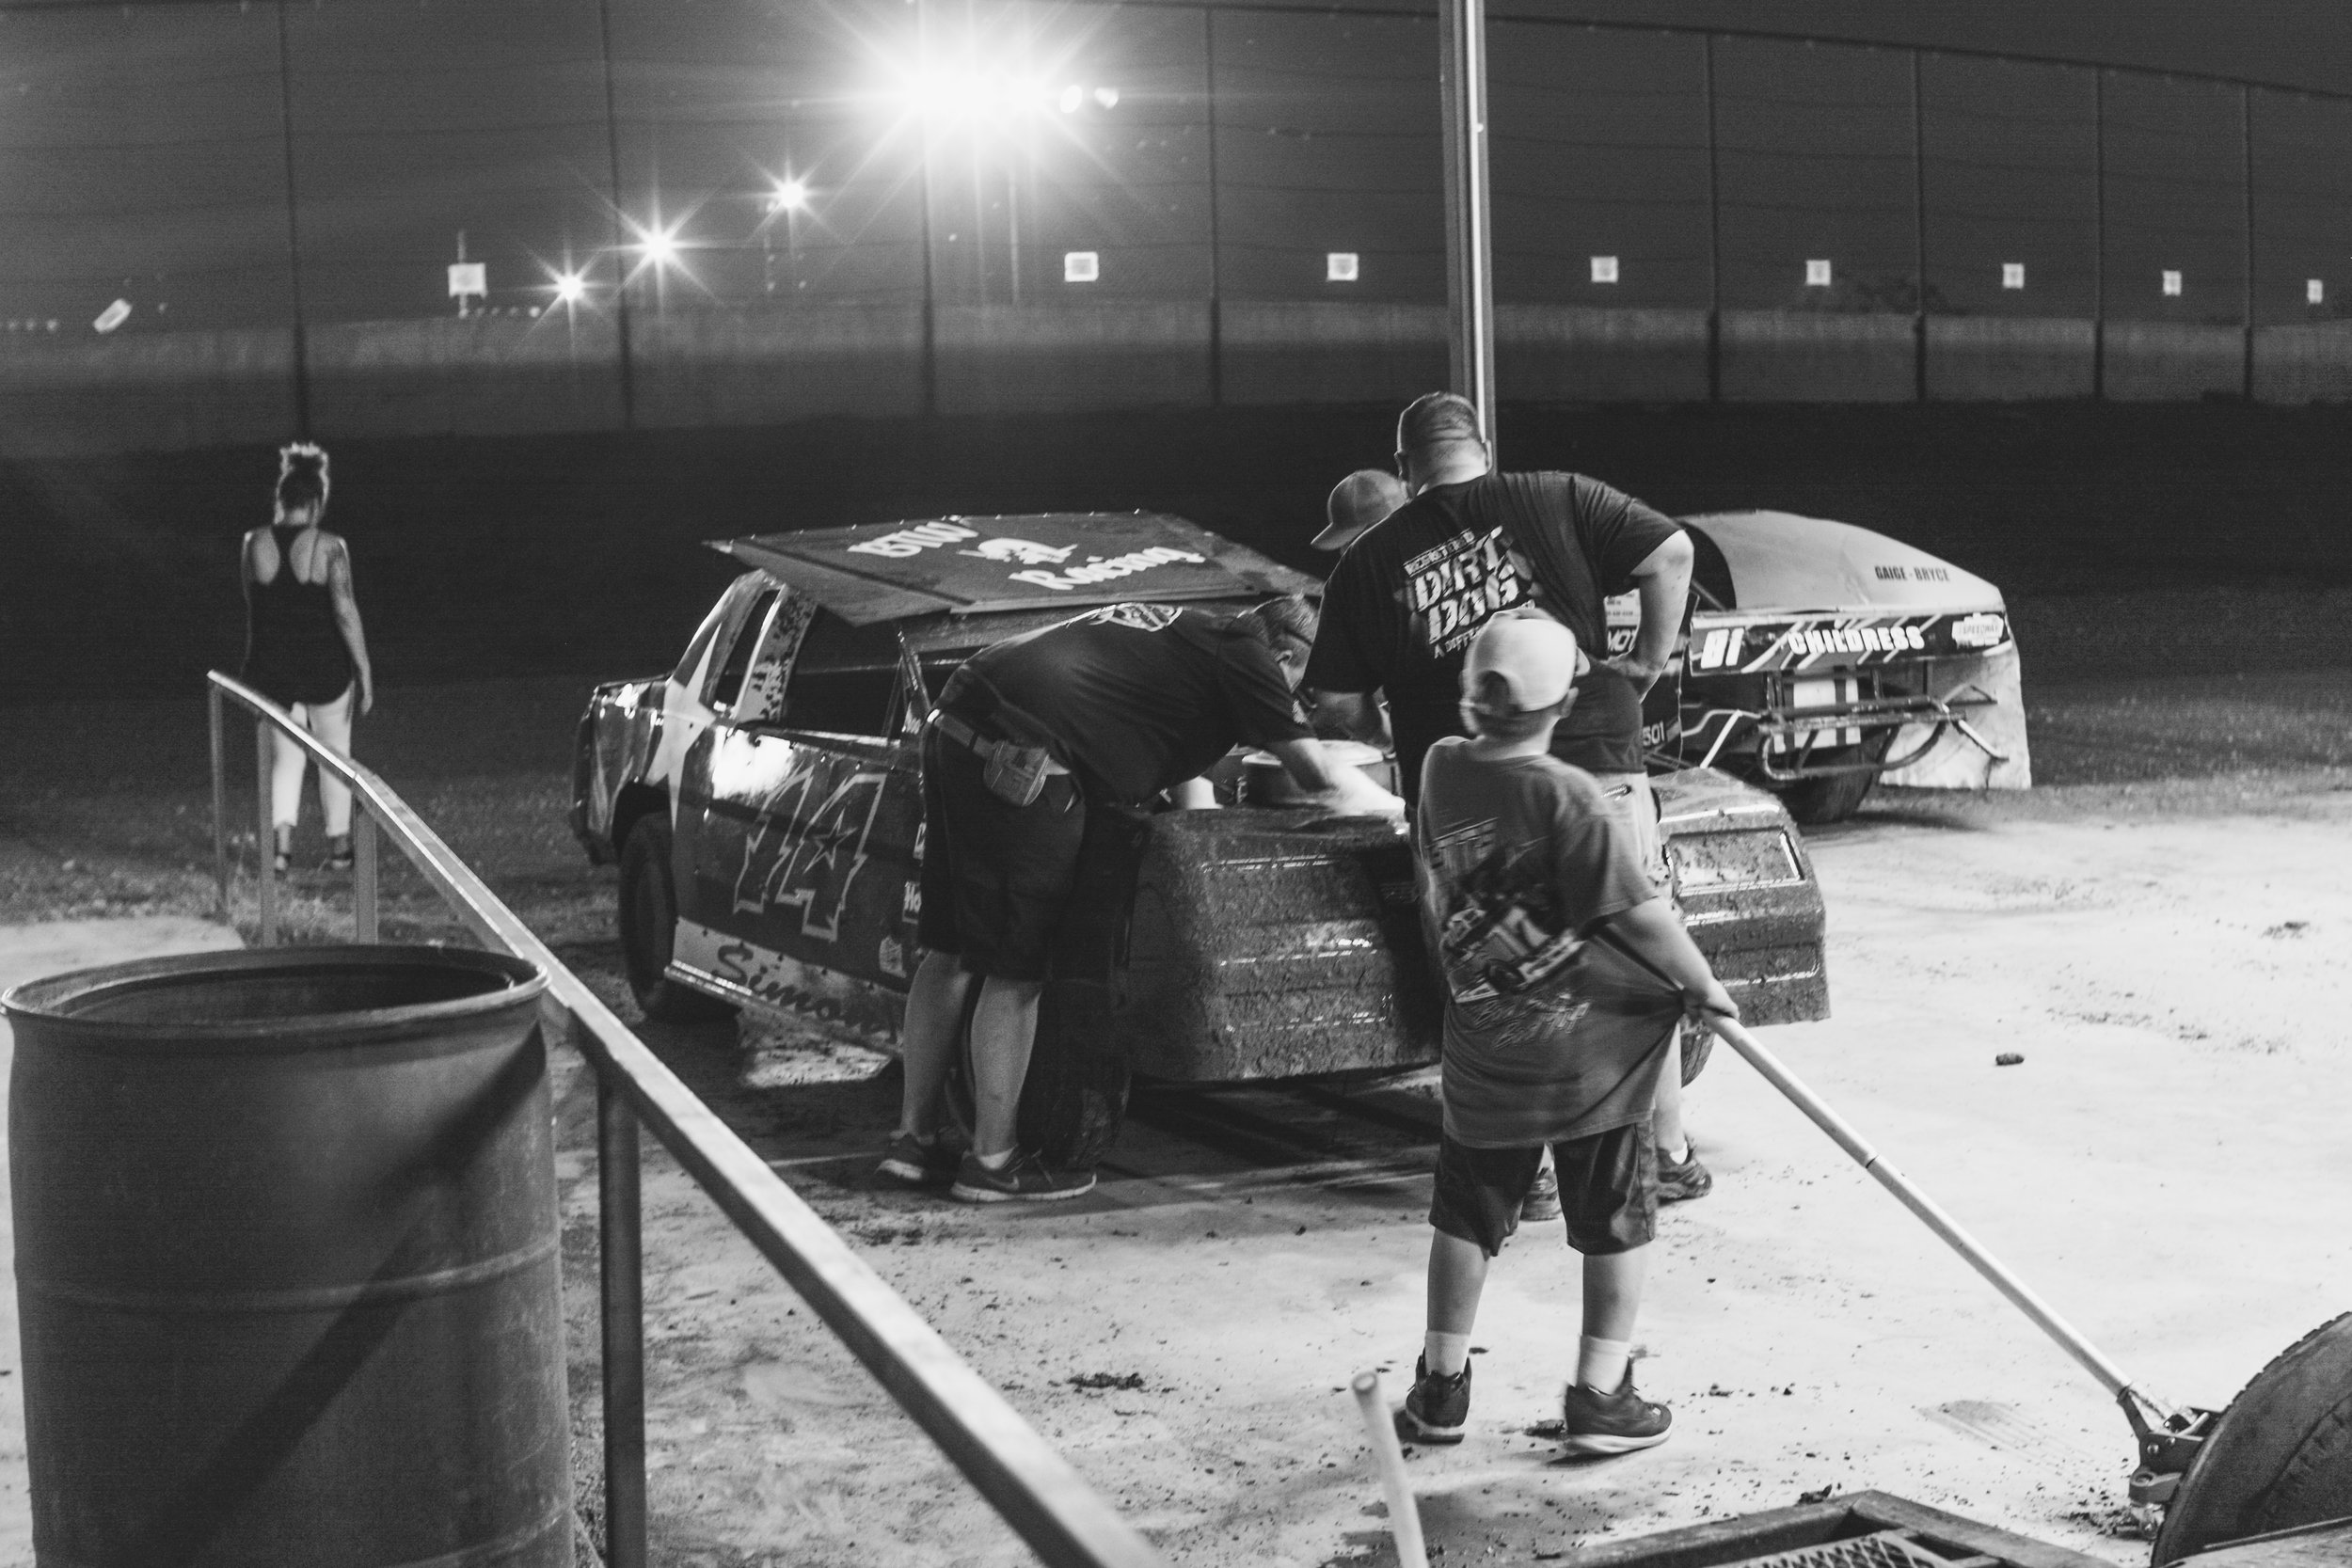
x=1601, y=1364
x=1445, y=1354
x=995, y=1162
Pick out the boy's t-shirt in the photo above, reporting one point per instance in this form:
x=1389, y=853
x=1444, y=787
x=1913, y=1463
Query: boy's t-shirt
x=1547, y=1037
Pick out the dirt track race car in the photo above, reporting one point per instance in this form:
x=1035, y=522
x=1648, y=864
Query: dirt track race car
x=765, y=805
x=1823, y=657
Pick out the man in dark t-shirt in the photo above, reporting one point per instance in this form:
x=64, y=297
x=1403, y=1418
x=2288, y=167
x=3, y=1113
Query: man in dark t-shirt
x=1402, y=604
x=1112, y=706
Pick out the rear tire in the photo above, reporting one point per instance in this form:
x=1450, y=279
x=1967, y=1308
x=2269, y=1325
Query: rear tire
x=2280, y=1455
x=648, y=921
x=1076, y=1095
x=1837, y=796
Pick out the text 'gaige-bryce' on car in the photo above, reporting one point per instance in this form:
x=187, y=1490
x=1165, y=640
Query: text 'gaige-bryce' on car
x=764, y=802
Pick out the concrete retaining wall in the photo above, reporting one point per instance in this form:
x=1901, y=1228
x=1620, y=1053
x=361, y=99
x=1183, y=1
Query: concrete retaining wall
x=1809, y=357
x=705, y=367
x=2008, y=359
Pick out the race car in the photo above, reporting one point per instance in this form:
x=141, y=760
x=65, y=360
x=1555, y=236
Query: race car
x=764, y=802
x=1823, y=657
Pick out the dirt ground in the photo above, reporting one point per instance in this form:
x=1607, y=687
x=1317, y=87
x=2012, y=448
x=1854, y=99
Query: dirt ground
x=2161, y=933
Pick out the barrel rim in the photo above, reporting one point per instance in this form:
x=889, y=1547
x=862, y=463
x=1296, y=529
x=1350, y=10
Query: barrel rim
x=51, y=1002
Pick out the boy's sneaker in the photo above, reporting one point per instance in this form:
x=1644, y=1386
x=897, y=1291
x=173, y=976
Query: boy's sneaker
x=1026, y=1178
x=912, y=1163
x=1438, y=1408
x=1687, y=1180
x=1542, y=1203
x=1593, y=1422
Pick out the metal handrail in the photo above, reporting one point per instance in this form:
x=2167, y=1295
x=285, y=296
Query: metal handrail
x=1065, y=1521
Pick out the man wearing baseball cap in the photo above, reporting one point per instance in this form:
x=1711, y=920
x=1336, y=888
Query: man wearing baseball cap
x=1357, y=502
x=1554, y=1039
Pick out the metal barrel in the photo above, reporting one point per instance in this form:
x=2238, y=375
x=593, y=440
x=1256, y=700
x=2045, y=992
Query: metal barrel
x=286, y=1258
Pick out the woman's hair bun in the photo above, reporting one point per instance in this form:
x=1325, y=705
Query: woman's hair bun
x=301, y=475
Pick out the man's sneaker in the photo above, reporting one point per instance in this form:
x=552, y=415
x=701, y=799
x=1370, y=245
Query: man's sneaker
x=1687, y=1180
x=1438, y=1408
x=912, y=1163
x=1593, y=1422
x=1542, y=1203
x=1025, y=1180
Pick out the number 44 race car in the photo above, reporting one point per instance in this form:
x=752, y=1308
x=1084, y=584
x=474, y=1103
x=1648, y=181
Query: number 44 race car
x=764, y=802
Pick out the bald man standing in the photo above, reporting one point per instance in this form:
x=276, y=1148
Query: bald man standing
x=1405, y=599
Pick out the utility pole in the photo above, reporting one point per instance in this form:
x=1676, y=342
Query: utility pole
x=1469, y=239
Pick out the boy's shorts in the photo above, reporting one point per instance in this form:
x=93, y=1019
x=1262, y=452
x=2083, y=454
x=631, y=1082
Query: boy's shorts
x=1608, y=1190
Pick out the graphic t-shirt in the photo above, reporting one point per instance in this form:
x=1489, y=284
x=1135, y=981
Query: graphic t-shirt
x=1136, y=697
x=1405, y=600
x=1548, y=1036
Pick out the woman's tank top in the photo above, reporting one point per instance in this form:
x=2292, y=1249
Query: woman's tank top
x=294, y=651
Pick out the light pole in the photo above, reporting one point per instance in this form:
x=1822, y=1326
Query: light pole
x=1469, y=239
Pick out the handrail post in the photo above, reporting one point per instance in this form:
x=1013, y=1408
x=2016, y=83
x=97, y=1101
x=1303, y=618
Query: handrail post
x=220, y=800
x=363, y=918
x=620, y=1253
x=264, y=837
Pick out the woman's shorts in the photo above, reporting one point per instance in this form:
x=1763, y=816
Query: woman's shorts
x=1608, y=1190
x=997, y=876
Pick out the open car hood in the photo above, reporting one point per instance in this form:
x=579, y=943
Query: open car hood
x=1780, y=560
x=974, y=565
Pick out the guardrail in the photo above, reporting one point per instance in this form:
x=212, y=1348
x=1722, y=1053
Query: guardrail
x=1030, y=1486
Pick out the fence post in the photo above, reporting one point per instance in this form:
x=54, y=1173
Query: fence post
x=1918, y=236
x=220, y=798
x=363, y=884
x=2246, y=145
x=2099, y=231
x=264, y=837
x=620, y=1253
x=1714, y=237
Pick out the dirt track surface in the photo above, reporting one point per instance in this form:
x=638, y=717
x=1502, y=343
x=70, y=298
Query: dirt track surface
x=2161, y=932
x=2165, y=1165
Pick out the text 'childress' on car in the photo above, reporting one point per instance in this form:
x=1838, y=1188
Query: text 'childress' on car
x=764, y=802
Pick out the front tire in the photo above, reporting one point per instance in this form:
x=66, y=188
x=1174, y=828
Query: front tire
x=1836, y=797
x=2280, y=1455
x=648, y=921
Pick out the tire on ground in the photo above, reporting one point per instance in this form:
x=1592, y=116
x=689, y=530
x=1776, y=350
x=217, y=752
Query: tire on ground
x=1834, y=797
x=2280, y=1455
x=649, y=923
x=1075, y=1096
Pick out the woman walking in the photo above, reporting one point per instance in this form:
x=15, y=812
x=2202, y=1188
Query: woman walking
x=304, y=646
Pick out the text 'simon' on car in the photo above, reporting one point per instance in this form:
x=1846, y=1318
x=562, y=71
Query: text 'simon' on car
x=764, y=802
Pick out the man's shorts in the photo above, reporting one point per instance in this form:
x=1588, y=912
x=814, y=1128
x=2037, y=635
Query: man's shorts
x=997, y=876
x=1608, y=1190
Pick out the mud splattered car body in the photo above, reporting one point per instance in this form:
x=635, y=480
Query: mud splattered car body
x=775, y=772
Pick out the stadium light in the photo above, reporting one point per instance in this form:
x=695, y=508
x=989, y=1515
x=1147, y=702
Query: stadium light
x=660, y=247
x=570, y=288
x=791, y=195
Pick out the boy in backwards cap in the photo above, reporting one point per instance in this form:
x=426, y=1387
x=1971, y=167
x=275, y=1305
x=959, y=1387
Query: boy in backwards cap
x=1550, y=1038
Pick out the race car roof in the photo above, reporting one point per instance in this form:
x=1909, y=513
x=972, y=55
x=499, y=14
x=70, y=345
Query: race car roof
x=963, y=565
x=1780, y=560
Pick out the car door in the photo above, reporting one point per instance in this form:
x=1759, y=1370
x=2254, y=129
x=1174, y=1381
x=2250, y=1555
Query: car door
x=804, y=852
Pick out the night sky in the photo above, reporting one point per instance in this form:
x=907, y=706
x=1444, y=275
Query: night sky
x=144, y=155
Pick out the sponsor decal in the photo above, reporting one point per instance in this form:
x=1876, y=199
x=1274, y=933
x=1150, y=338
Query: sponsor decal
x=1980, y=630
x=1914, y=574
x=911, y=902
x=1019, y=552
x=808, y=846
x=907, y=542
x=1095, y=570
x=1136, y=617
x=1623, y=612
x=1810, y=640
x=1452, y=589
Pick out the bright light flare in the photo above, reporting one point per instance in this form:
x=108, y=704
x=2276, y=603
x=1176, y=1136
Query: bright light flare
x=792, y=195
x=660, y=247
x=570, y=288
